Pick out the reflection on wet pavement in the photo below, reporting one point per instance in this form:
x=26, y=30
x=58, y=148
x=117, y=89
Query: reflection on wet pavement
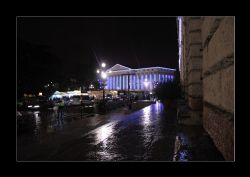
x=103, y=133
x=150, y=134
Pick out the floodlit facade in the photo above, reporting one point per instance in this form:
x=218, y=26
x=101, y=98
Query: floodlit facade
x=143, y=79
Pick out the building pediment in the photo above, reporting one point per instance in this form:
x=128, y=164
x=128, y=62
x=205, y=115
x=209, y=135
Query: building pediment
x=118, y=67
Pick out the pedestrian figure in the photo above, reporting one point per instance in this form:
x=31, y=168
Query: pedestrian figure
x=60, y=111
x=130, y=103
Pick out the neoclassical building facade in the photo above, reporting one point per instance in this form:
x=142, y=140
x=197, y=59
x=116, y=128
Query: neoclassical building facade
x=124, y=78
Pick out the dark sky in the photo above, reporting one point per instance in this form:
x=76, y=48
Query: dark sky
x=82, y=42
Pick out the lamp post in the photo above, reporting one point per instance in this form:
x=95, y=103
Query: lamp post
x=103, y=74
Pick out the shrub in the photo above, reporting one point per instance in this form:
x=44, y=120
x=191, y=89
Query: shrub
x=168, y=90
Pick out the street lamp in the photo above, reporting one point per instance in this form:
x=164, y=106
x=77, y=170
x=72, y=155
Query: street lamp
x=103, y=75
x=103, y=65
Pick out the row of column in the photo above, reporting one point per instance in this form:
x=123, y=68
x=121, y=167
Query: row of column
x=143, y=81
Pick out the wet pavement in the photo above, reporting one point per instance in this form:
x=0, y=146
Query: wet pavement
x=149, y=134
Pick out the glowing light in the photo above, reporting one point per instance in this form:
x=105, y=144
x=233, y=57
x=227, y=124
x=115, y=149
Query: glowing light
x=103, y=65
x=98, y=71
x=146, y=83
x=104, y=75
x=40, y=94
x=29, y=106
x=36, y=106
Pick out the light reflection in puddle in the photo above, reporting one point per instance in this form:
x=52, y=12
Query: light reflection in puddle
x=146, y=121
x=157, y=107
x=150, y=115
x=37, y=121
x=146, y=115
x=181, y=152
x=102, y=133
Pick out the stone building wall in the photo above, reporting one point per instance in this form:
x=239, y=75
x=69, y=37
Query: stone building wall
x=192, y=67
x=208, y=76
x=218, y=82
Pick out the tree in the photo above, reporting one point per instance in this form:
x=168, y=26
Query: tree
x=169, y=90
x=36, y=67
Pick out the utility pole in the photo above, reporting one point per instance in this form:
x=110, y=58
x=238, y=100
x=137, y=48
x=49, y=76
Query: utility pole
x=103, y=91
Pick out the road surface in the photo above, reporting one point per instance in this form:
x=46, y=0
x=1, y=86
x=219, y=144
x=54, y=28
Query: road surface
x=149, y=134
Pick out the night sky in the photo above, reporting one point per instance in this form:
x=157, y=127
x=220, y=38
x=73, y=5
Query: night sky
x=80, y=43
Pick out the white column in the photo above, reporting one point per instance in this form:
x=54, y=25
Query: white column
x=120, y=82
x=137, y=82
x=133, y=81
x=123, y=82
x=108, y=82
x=150, y=81
x=117, y=82
x=142, y=81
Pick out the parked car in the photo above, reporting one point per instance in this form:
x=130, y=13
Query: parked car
x=34, y=105
x=86, y=101
x=39, y=103
x=75, y=100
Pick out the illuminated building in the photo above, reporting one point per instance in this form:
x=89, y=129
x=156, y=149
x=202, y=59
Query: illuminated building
x=143, y=79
